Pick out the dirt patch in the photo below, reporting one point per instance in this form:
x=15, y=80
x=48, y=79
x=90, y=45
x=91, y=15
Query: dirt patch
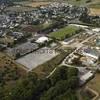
x=95, y=83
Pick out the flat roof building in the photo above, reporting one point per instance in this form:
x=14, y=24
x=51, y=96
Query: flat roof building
x=42, y=39
x=91, y=53
x=84, y=78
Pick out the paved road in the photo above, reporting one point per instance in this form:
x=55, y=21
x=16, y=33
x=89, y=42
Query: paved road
x=78, y=47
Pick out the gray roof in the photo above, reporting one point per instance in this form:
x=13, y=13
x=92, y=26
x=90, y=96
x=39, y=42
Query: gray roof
x=22, y=49
x=92, y=51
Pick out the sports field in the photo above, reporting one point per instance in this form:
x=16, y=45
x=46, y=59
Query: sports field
x=65, y=32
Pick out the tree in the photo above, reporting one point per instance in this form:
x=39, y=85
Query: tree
x=62, y=84
x=72, y=72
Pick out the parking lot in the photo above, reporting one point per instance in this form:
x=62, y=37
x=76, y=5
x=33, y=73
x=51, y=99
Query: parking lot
x=37, y=58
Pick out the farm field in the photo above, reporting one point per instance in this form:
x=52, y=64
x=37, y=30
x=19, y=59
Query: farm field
x=44, y=2
x=81, y=2
x=19, y=8
x=37, y=4
x=65, y=32
x=95, y=9
x=33, y=4
x=74, y=2
x=95, y=83
x=95, y=5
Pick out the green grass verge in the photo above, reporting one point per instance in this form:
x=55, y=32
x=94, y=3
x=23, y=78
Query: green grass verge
x=97, y=6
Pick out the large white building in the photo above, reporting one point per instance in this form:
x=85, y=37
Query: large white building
x=84, y=78
x=42, y=39
x=91, y=53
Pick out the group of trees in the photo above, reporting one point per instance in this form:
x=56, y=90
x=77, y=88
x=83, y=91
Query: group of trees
x=93, y=20
x=60, y=86
x=7, y=74
x=55, y=25
x=87, y=1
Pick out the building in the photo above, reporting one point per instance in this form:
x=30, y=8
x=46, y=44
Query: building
x=96, y=29
x=17, y=35
x=68, y=41
x=42, y=39
x=86, y=77
x=2, y=46
x=91, y=53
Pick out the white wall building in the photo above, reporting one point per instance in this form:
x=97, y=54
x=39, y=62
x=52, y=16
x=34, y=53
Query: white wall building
x=86, y=77
x=42, y=39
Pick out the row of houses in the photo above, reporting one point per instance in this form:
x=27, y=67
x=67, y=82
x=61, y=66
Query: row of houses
x=41, y=15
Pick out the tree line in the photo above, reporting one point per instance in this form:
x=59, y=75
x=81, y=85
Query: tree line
x=61, y=85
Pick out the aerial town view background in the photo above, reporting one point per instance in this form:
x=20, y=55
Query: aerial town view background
x=49, y=49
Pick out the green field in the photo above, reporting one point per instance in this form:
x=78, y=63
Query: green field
x=95, y=83
x=97, y=6
x=74, y=2
x=65, y=32
x=82, y=2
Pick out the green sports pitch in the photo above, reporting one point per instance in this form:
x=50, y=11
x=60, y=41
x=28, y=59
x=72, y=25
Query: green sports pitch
x=65, y=32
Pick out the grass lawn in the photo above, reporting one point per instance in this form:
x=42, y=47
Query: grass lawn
x=65, y=32
x=35, y=4
x=46, y=25
x=79, y=2
x=97, y=6
x=31, y=3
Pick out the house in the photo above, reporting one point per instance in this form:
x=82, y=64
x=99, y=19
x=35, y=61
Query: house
x=16, y=35
x=2, y=46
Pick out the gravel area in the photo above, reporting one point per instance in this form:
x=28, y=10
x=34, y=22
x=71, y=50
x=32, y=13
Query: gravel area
x=36, y=58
